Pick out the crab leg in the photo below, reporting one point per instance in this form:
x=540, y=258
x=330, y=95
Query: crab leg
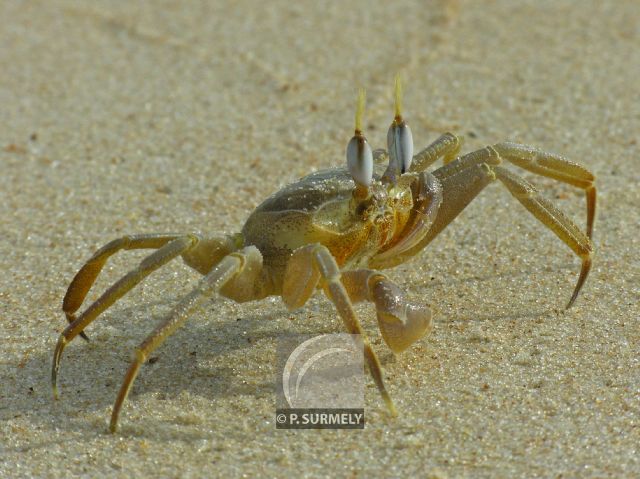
x=553, y=166
x=312, y=265
x=84, y=279
x=552, y=218
x=229, y=268
x=447, y=146
x=467, y=176
x=152, y=262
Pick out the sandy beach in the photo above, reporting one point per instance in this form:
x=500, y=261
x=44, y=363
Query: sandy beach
x=140, y=117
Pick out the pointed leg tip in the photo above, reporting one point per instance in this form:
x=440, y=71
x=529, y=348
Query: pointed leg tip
x=54, y=382
x=56, y=365
x=84, y=336
x=584, y=272
x=393, y=412
x=113, y=421
x=570, y=303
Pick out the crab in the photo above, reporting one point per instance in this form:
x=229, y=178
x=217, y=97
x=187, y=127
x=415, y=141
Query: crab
x=336, y=230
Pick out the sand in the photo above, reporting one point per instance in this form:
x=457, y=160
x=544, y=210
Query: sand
x=131, y=117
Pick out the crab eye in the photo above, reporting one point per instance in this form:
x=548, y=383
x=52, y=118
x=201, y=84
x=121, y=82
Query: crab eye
x=359, y=154
x=400, y=145
x=399, y=138
x=360, y=160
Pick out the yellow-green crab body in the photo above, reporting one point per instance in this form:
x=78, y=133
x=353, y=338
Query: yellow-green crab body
x=336, y=230
x=320, y=208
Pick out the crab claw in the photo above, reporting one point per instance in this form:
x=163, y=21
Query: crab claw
x=401, y=323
